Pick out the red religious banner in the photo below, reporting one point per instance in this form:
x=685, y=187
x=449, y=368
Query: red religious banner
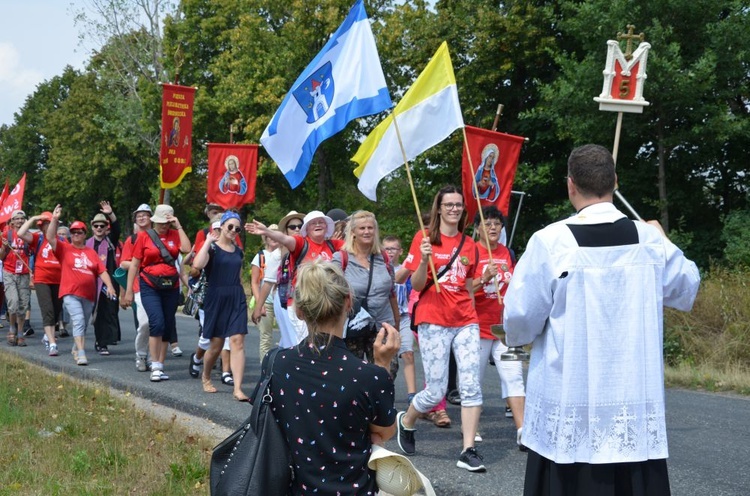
x=495, y=158
x=176, y=134
x=232, y=170
x=14, y=201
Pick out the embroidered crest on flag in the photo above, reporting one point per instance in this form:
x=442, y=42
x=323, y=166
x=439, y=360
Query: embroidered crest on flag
x=315, y=94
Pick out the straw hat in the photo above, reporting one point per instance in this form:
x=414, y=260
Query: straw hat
x=396, y=475
x=293, y=214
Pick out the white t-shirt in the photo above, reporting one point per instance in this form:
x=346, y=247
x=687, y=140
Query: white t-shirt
x=273, y=260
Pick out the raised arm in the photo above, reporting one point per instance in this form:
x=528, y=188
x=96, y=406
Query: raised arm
x=23, y=231
x=257, y=227
x=51, y=233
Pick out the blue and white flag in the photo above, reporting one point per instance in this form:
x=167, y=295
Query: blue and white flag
x=343, y=82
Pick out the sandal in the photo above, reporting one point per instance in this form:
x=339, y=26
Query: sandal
x=207, y=386
x=20, y=342
x=12, y=339
x=226, y=378
x=440, y=418
x=242, y=398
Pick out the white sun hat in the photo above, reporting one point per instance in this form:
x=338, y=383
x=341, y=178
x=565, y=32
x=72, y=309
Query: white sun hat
x=396, y=475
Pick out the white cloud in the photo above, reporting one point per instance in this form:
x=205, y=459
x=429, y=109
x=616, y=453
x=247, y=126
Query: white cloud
x=12, y=75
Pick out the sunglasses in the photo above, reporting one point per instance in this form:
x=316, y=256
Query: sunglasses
x=231, y=228
x=296, y=227
x=99, y=226
x=77, y=231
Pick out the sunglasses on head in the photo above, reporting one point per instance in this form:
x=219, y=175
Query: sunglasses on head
x=294, y=226
x=77, y=231
x=234, y=228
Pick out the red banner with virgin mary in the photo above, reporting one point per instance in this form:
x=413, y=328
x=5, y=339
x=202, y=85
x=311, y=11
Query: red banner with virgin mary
x=495, y=158
x=176, y=134
x=232, y=170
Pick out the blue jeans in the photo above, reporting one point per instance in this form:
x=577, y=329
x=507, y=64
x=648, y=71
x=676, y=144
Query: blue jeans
x=161, y=307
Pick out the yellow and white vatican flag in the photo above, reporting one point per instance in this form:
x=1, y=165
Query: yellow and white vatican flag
x=427, y=114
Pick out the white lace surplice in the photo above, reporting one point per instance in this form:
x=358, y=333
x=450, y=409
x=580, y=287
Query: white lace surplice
x=595, y=390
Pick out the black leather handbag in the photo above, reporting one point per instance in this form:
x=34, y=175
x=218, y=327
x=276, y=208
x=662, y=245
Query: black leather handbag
x=255, y=459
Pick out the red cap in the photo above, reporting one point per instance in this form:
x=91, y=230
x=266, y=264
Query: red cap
x=78, y=225
x=45, y=217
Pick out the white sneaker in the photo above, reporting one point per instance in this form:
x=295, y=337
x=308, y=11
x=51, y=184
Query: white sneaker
x=158, y=375
x=140, y=364
x=176, y=351
x=45, y=342
x=81, y=360
x=478, y=438
x=53, y=350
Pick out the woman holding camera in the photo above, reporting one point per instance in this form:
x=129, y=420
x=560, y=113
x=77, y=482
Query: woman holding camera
x=331, y=406
x=225, y=305
x=154, y=255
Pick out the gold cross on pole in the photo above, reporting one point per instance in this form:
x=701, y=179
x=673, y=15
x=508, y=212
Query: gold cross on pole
x=630, y=37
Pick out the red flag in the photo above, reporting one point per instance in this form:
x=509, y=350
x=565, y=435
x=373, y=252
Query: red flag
x=232, y=170
x=176, y=134
x=4, y=194
x=495, y=158
x=14, y=200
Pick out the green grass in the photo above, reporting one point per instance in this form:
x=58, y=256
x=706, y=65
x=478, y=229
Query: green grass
x=709, y=347
x=60, y=437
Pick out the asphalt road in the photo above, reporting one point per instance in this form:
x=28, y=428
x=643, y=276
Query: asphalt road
x=709, y=438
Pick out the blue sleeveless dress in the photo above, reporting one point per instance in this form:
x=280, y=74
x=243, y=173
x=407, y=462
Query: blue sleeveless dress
x=225, y=305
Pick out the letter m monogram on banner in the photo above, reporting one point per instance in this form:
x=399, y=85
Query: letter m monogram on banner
x=624, y=75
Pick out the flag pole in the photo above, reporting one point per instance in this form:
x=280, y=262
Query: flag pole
x=615, y=150
x=414, y=197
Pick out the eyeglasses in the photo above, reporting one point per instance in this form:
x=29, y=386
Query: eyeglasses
x=493, y=223
x=296, y=227
x=77, y=231
x=453, y=206
x=392, y=248
x=235, y=228
x=99, y=226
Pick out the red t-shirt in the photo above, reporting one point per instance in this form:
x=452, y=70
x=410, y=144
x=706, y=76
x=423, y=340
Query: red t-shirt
x=47, y=268
x=80, y=268
x=314, y=252
x=16, y=260
x=127, y=256
x=488, y=309
x=151, y=261
x=452, y=307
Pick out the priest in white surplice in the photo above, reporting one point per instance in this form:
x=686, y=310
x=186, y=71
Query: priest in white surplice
x=589, y=293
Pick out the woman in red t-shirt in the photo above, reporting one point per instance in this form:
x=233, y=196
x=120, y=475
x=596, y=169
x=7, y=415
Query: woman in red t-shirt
x=80, y=267
x=494, y=271
x=315, y=235
x=46, y=276
x=446, y=320
x=159, y=282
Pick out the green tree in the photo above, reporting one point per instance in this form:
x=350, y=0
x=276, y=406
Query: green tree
x=684, y=157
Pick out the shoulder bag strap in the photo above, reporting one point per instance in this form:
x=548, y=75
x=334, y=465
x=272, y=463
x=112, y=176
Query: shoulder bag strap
x=444, y=269
x=168, y=259
x=369, y=280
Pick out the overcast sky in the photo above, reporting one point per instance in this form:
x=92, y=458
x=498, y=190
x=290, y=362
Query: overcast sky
x=37, y=40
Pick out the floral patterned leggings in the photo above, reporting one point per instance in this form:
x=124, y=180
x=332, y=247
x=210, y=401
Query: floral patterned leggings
x=435, y=344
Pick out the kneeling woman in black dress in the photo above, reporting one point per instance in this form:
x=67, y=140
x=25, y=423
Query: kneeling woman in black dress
x=225, y=305
x=331, y=405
